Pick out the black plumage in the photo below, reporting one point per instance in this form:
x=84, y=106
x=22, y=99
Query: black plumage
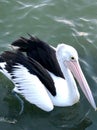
x=41, y=52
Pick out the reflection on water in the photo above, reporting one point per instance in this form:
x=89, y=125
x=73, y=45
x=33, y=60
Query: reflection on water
x=71, y=118
x=72, y=22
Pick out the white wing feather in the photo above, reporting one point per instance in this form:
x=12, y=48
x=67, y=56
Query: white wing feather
x=31, y=88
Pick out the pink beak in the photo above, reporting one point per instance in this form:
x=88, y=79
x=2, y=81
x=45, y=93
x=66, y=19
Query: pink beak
x=78, y=74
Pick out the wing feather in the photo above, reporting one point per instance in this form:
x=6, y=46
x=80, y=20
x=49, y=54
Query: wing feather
x=12, y=59
x=30, y=87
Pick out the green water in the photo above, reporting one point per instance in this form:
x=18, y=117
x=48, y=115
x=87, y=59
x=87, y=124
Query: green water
x=73, y=22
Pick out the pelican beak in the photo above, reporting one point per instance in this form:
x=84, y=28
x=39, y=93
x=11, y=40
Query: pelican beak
x=75, y=68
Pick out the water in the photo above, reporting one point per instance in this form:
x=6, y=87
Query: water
x=70, y=21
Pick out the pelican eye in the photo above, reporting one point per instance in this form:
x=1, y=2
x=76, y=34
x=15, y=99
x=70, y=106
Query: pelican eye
x=72, y=58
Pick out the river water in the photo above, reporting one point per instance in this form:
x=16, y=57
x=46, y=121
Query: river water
x=72, y=22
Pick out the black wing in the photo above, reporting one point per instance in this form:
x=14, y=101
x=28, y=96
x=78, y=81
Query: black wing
x=13, y=59
x=41, y=52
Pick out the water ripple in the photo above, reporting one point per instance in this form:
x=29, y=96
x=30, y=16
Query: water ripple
x=65, y=21
x=24, y=5
x=6, y=120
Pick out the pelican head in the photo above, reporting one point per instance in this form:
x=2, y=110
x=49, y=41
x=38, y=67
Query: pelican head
x=68, y=56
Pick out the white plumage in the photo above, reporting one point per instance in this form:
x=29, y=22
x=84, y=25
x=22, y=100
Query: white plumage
x=64, y=96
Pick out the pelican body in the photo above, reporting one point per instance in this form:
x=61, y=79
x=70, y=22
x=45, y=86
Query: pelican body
x=62, y=64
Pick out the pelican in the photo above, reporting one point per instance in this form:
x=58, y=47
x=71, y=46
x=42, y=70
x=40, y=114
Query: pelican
x=66, y=57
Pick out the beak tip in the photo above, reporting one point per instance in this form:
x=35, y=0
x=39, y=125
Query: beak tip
x=96, y=109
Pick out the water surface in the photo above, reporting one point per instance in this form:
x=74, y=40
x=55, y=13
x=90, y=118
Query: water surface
x=69, y=21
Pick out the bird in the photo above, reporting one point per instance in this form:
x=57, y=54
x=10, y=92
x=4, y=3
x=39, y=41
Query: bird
x=62, y=63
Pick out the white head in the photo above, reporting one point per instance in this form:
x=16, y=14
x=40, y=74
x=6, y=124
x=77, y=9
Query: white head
x=66, y=53
x=68, y=57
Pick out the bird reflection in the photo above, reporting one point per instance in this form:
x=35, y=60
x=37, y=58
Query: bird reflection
x=71, y=118
x=66, y=118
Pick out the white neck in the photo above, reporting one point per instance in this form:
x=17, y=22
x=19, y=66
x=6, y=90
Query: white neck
x=72, y=87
